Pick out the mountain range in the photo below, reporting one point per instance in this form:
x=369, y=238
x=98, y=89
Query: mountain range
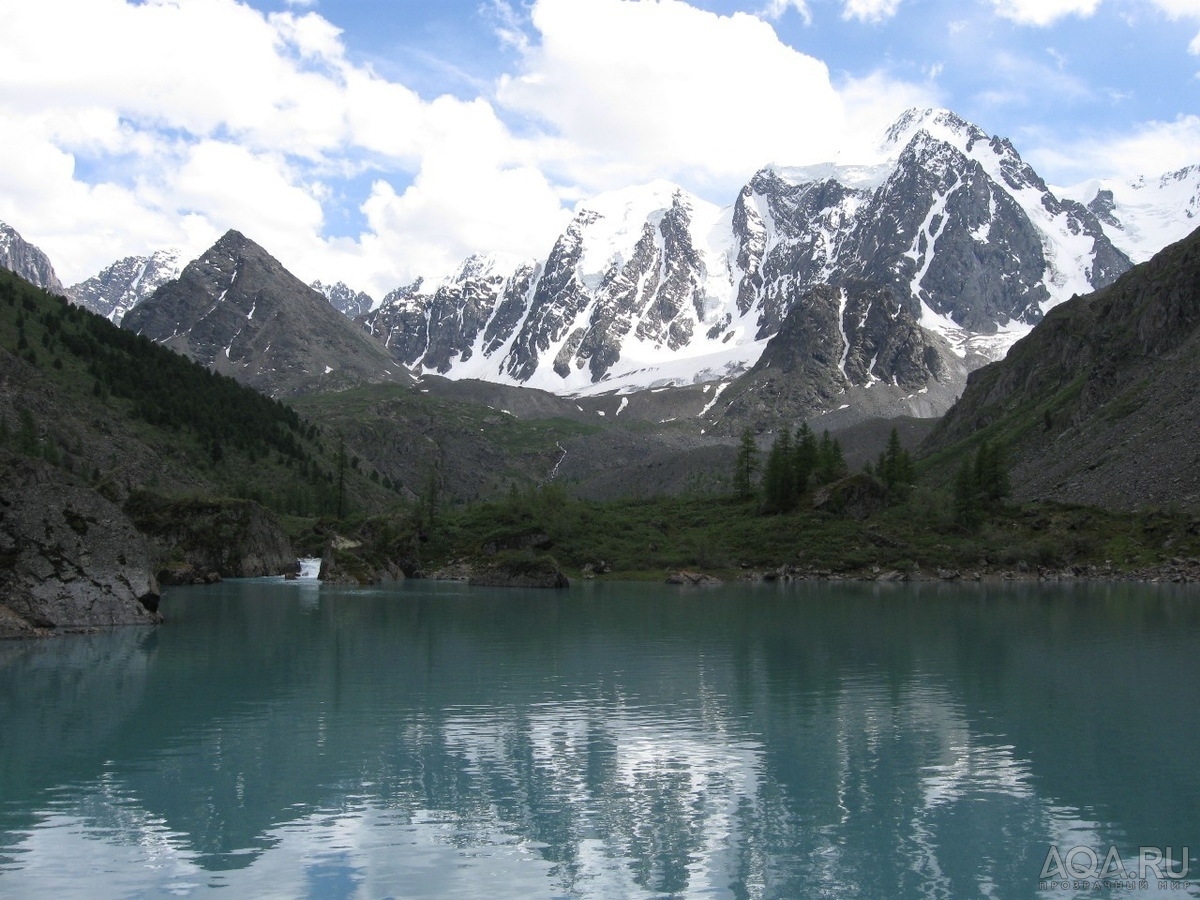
x=891, y=281
x=652, y=285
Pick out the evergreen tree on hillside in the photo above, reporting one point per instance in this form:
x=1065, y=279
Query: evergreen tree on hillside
x=779, y=476
x=805, y=455
x=980, y=485
x=895, y=468
x=831, y=464
x=745, y=465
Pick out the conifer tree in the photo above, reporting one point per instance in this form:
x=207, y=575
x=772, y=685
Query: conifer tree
x=745, y=465
x=805, y=454
x=779, y=477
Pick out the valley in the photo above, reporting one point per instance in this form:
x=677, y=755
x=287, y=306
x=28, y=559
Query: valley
x=585, y=414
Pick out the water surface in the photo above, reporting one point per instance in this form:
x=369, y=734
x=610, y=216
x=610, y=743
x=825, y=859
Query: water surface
x=434, y=740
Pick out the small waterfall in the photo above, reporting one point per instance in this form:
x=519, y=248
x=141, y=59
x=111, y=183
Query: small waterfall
x=309, y=568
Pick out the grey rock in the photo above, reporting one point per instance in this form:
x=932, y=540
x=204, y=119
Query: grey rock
x=28, y=261
x=237, y=311
x=69, y=558
x=126, y=283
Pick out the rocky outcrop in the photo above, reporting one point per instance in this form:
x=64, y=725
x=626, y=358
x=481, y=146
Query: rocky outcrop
x=695, y=579
x=126, y=283
x=233, y=538
x=28, y=261
x=519, y=570
x=854, y=347
x=69, y=558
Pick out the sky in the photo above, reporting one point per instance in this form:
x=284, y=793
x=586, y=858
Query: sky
x=375, y=141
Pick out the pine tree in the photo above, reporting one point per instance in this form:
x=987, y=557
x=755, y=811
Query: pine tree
x=831, y=464
x=745, y=465
x=805, y=455
x=779, y=477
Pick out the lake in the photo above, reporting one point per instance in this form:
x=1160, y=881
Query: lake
x=615, y=740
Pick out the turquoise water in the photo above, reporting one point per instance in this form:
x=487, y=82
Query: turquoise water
x=433, y=740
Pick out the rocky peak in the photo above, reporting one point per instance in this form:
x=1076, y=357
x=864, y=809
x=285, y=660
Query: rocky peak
x=125, y=283
x=345, y=299
x=238, y=311
x=18, y=255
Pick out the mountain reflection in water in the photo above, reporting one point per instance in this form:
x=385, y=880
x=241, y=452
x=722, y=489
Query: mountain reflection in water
x=434, y=740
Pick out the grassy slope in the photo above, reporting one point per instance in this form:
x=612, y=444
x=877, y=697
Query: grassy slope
x=115, y=410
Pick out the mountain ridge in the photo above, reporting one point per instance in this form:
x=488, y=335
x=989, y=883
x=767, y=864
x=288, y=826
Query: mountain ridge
x=237, y=311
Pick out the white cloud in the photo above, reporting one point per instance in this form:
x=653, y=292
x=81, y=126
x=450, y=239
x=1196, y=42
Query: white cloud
x=870, y=10
x=165, y=123
x=775, y=9
x=1151, y=149
x=646, y=90
x=1043, y=12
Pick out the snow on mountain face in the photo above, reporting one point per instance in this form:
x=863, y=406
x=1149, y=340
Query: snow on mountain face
x=126, y=283
x=344, y=298
x=1145, y=215
x=652, y=284
x=18, y=255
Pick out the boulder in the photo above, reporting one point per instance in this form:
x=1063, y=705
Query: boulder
x=696, y=578
x=520, y=570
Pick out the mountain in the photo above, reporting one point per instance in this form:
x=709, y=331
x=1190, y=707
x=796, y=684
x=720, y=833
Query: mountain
x=842, y=355
x=126, y=283
x=344, y=298
x=1145, y=215
x=17, y=255
x=650, y=285
x=1098, y=405
x=237, y=311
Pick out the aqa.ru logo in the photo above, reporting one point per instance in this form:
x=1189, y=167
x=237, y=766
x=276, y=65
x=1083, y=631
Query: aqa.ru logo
x=1085, y=864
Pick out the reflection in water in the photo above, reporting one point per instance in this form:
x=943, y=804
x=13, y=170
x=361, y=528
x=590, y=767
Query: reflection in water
x=622, y=741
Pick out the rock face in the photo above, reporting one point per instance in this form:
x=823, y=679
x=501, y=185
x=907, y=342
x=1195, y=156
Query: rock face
x=233, y=538
x=650, y=282
x=855, y=347
x=126, y=283
x=237, y=311
x=345, y=299
x=19, y=256
x=68, y=557
x=1098, y=405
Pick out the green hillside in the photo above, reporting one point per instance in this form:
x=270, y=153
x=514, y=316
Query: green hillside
x=122, y=414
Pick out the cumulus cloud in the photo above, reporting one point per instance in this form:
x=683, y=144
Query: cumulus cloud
x=1043, y=12
x=870, y=10
x=1151, y=149
x=686, y=94
x=776, y=8
x=185, y=119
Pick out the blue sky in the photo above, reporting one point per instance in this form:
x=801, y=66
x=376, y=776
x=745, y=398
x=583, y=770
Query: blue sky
x=373, y=141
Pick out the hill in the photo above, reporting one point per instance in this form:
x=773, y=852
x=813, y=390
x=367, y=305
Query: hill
x=1098, y=405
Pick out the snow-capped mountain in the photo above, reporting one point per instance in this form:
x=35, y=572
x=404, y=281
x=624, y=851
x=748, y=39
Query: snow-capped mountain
x=650, y=282
x=1143, y=216
x=344, y=298
x=20, y=256
x=126, y=283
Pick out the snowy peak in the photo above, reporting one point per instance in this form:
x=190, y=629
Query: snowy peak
x=651, y=279
x=1145, y=215
x=345, y=299
x=126, y=283
x=18, y=255
x=940, y=124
